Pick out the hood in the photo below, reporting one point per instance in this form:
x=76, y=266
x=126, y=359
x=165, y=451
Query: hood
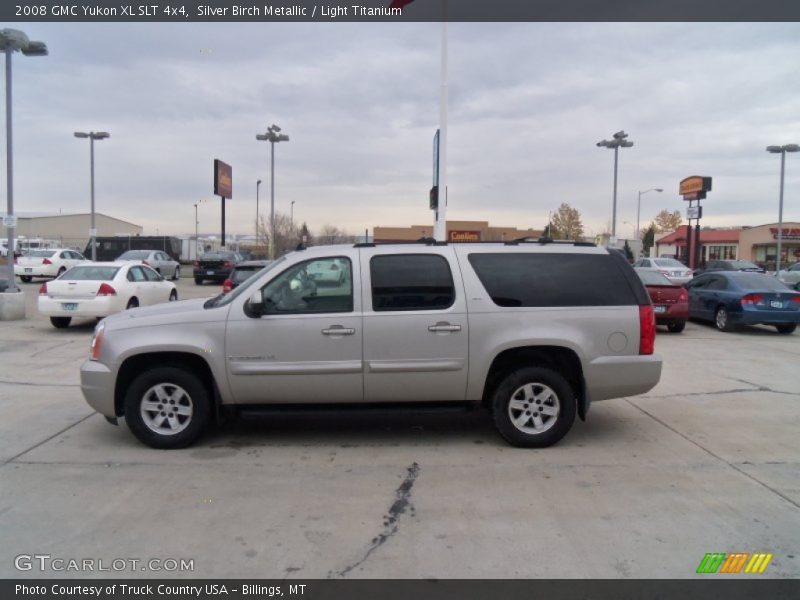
x=167, y=313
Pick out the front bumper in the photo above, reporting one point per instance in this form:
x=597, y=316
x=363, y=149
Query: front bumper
x=97, y=385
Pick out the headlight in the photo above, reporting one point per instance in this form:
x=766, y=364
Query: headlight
x=97, y=341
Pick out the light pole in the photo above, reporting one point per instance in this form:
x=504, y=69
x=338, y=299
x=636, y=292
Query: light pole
x=618, y=141
x=258, y=185
x=782, y=150
x=13, y=40
x=291, y=214
x=272, y=136
x=92, y=135
x=639, y=209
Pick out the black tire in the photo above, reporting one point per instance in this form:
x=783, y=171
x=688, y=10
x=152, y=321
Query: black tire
x=25, y=278
x=173, y=295
x=177, y=274
x=722, y=319
x=786, y=328
x=173, y=380
x=676, y=326
x=561, y=395
x=61, y=322
x=198, y=281
x=132, y=303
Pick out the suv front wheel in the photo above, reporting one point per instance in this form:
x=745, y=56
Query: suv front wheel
x=533, y=407
x=167, y=407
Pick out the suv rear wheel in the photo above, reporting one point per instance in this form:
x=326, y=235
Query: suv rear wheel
x=533, y=407
x=167, y=407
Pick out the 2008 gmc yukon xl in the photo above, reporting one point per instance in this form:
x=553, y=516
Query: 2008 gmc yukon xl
x=534, y=331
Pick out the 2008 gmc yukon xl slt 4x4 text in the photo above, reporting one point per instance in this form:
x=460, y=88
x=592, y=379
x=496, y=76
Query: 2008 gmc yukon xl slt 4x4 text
x=534, y=331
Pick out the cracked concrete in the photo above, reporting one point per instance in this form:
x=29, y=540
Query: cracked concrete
x=708, y=461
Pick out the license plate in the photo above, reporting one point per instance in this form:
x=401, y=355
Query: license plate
x=660, y=309
x=69, y=305
x=776, y=304
x=209, y=272
x=28, y=270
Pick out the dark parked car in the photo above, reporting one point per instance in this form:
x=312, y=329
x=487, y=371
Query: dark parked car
x=670, y=301
x=732, y=265
x=242, y=272
x=215, y=266
x=729, y=298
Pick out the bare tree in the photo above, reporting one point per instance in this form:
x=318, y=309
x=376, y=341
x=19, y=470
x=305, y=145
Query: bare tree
x=567, y=223
x=287, y=236
x=330, y=234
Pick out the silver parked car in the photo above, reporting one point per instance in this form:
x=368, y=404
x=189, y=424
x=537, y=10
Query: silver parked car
x=158, y=260
x=534, y=332
x=672, y=269
x=791, y=276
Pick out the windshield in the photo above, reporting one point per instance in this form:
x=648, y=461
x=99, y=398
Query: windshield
x=134, y=254
x=224, y=299
x=743, y=264
x=795, y=267
x=242, y=274
x=90, y=273
x=217, y=256
x=652, y=278
x=669, y=262
x=41, y=253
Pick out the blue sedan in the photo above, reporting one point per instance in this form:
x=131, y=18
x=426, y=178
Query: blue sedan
x=730, y=298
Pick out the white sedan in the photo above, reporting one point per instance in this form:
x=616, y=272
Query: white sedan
x=46, y=263
x=100, y=289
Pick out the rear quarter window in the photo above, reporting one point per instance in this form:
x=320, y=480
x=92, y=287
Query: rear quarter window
x=555, y=279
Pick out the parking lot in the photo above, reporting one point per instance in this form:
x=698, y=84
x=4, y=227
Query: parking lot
x=708, y=461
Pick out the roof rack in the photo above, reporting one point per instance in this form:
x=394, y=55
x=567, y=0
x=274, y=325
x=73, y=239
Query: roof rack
x=524, y=240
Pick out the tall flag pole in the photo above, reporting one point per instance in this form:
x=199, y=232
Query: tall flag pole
x=440, y=222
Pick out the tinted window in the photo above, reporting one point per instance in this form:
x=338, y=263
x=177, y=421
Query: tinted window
x=90, y=273
x=717, y=283
x=241, y=274
x=411, y=282
x=757, y=281
x=553, y=279
x=653, y=278
x=669, y=262
x=742, y=264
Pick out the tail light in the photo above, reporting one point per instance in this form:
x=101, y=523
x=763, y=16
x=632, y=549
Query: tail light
x=795, y=299
x=43, y=289
x=227, y=286
x=47, y=261
x=683, y=296
x=647, y=329
x=195, y=263
x=106, y=290
x=228, y=264
x=752, y=299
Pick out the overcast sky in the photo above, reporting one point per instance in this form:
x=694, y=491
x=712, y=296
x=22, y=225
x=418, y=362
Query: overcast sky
x=528, y=102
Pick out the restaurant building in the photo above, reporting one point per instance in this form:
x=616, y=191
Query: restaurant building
x=757, y=244
x=457, y=231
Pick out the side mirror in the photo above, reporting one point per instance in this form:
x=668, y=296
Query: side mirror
x=256, y=301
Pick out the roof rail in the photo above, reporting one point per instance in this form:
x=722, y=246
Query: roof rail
x=428, y=241
x=524, y=240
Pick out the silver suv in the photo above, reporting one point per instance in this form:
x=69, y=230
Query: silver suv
x=533, y=331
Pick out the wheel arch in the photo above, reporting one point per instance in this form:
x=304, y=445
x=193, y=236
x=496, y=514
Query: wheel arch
x=559, y=358
x=138, y=363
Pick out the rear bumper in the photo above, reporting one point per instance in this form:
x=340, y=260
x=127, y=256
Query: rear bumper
x=675, y=312
x=215, y=276
x=619, y=376
x=95, y=307
x=40, y=271
x=757, y=317
x=97, y=385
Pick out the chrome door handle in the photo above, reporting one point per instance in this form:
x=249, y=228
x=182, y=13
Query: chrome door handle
x=338, y=330
x=443, y=328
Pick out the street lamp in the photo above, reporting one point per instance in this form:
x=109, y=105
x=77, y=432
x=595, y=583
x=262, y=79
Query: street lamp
x=639, y=209
x=13, y=40
x=782, y=150
x=258, y=185
x=196, y=233
x=291, y=214
x=92, y=135
x=618, y=142
x=272, y=136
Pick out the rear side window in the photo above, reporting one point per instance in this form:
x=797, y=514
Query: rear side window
x=411, y=282
x=552, y=279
